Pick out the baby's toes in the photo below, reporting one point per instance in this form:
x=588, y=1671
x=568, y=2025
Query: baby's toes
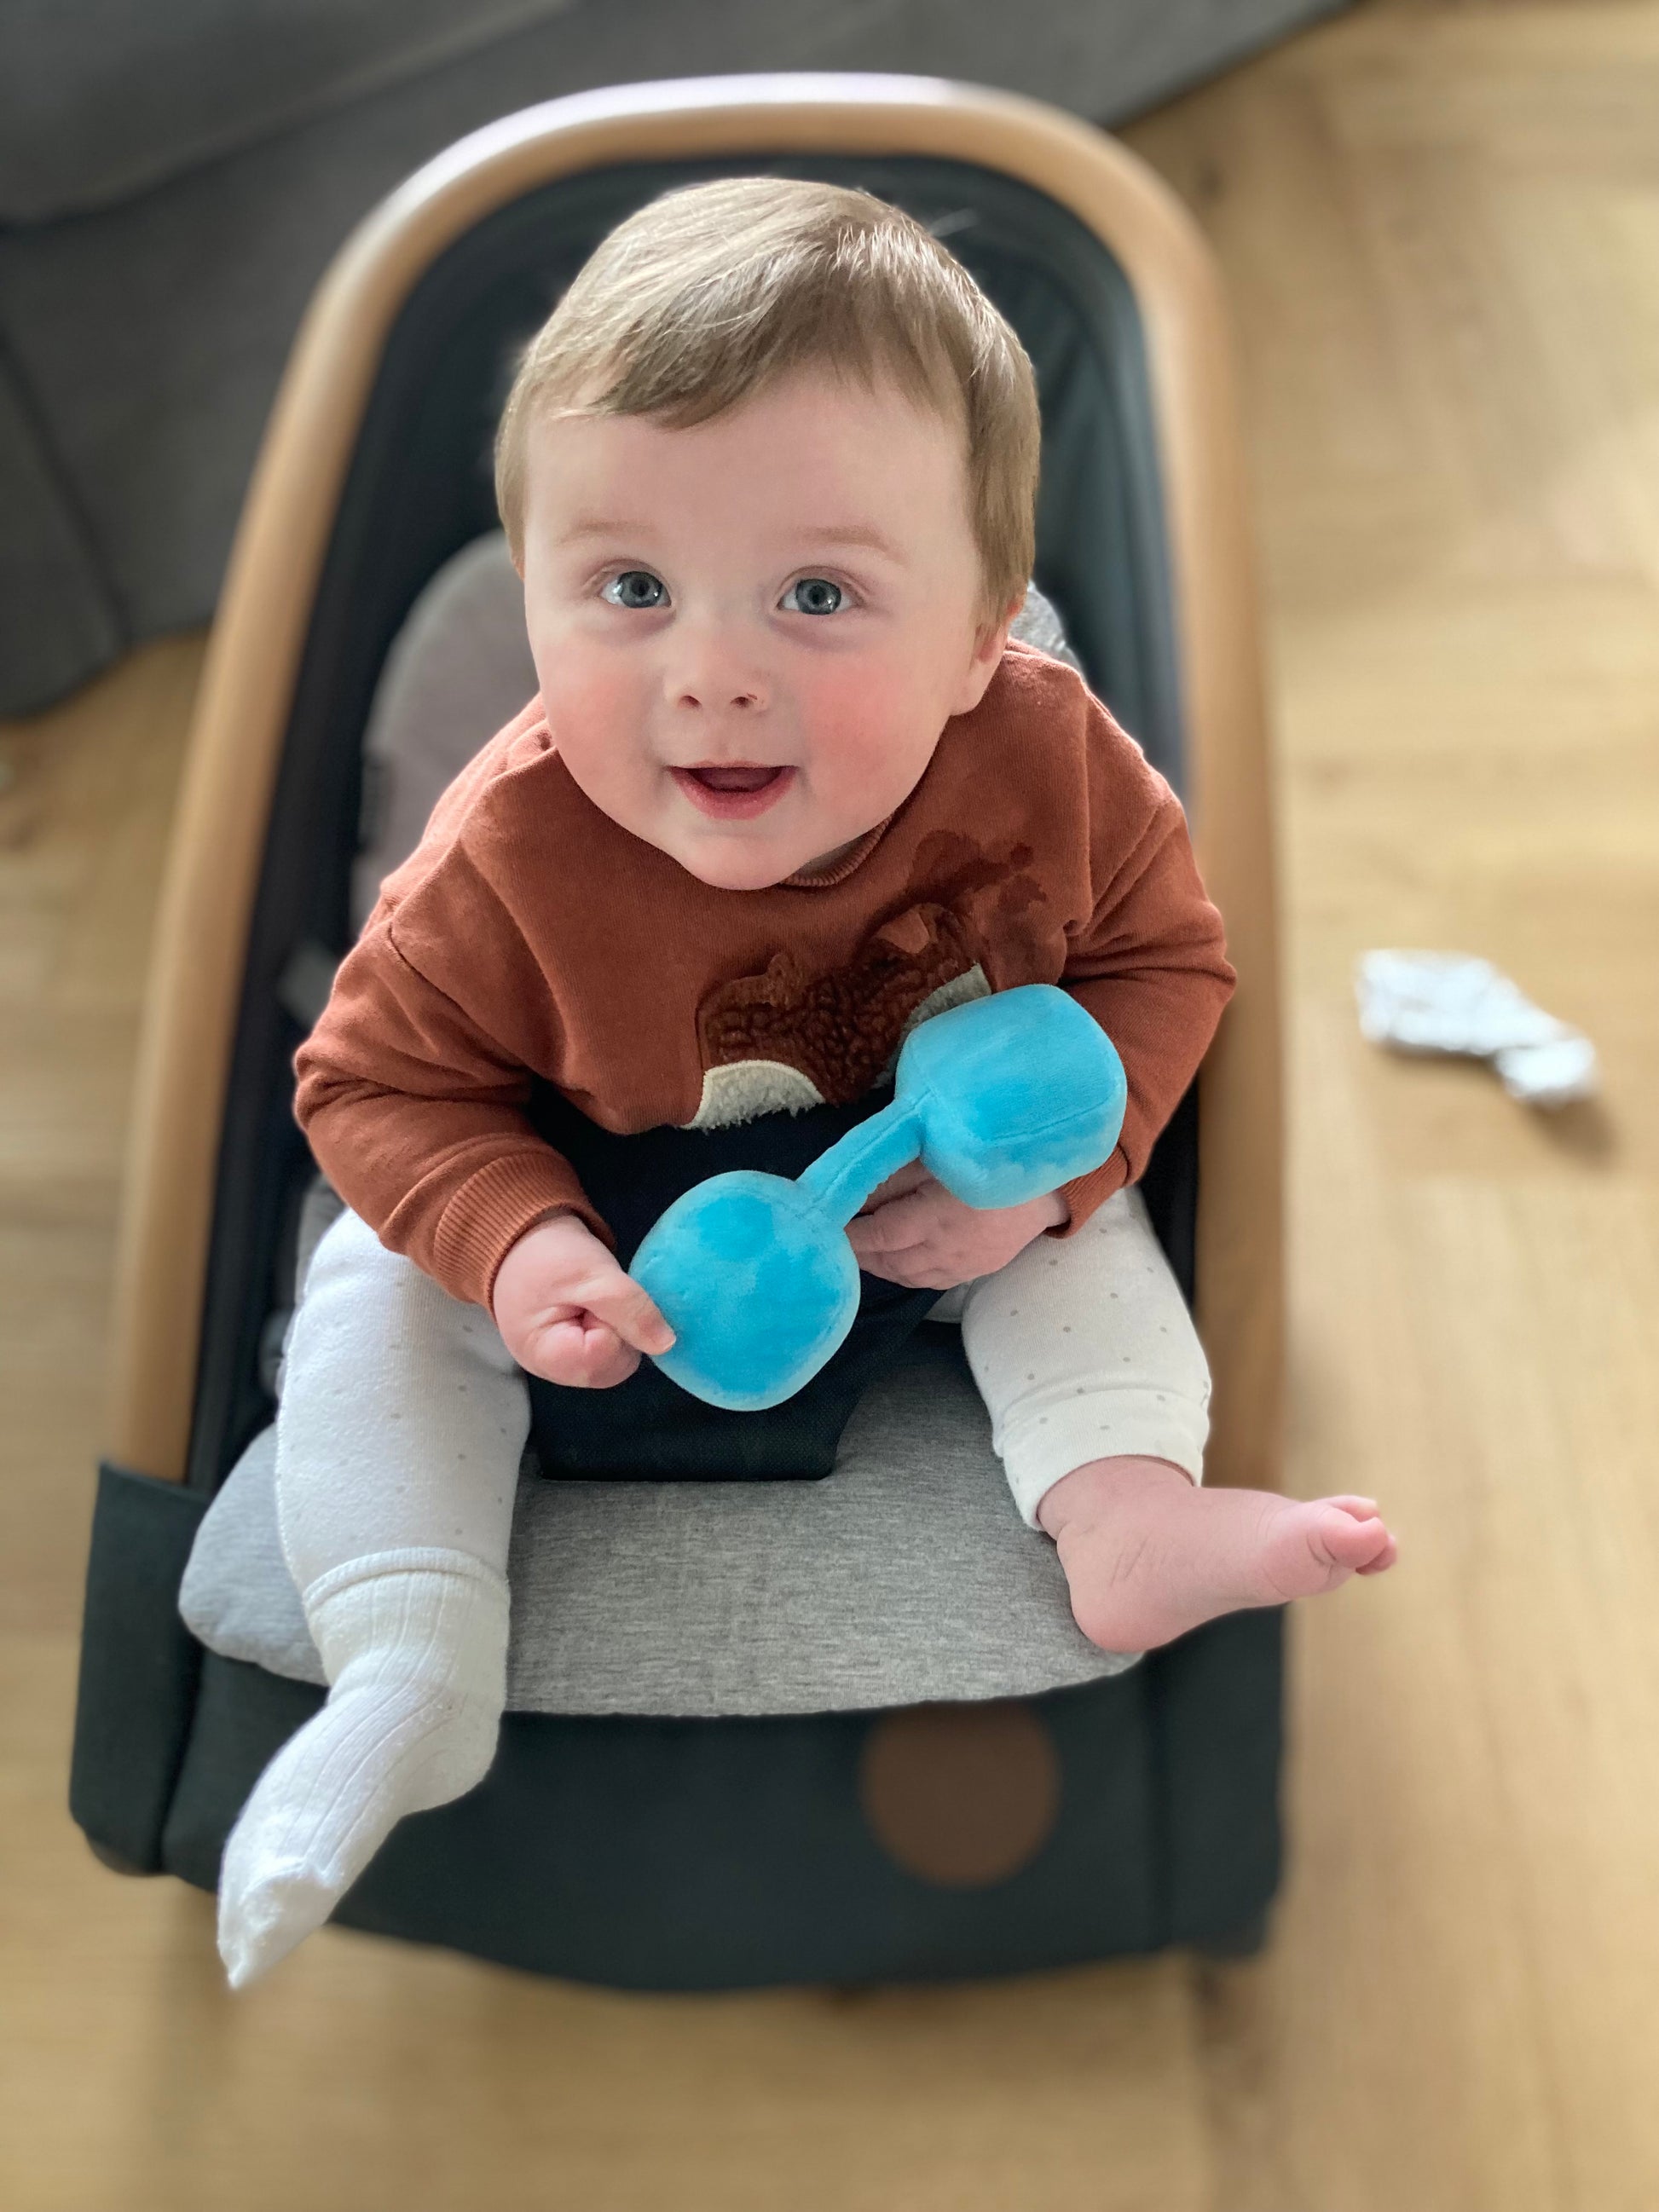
x=1365, y=1508
x=1343, y=1540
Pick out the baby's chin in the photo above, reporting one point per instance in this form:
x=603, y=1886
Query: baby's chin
x=750, y=863
x=737, y=865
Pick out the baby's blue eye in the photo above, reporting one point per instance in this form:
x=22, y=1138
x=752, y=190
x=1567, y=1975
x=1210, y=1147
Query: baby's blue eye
x=636, y=587
x=813, y=595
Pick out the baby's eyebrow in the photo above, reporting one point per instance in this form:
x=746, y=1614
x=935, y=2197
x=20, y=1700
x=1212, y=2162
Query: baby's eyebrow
x=624, y=527
x=600, y=525
x=853, y=533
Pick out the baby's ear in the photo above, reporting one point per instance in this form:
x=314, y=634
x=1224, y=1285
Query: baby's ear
x=994, y=638
x=990, y=643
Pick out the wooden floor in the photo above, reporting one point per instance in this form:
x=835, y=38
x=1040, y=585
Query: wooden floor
x=1440, y=224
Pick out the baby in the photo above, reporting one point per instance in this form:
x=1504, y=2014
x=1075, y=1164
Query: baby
x=769, y=474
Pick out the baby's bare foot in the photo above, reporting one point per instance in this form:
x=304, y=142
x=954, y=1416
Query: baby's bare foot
x=1148, y=1555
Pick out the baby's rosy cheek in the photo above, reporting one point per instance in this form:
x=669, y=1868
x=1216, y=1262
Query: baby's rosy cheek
x=602, y=724
x=866, y=738
x=599, y=696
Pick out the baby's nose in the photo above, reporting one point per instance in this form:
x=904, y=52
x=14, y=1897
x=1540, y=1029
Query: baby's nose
x=711, y=673
x=743, y=694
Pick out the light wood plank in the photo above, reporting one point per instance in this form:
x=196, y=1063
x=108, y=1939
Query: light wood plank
x=1440, y=228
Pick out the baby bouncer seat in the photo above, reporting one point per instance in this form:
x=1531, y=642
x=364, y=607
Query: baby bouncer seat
x=818, y=1763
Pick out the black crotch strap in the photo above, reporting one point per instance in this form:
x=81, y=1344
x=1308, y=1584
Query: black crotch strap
x=648, y=1428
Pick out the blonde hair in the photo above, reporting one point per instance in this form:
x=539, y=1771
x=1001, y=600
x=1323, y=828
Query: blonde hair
x=711, y=292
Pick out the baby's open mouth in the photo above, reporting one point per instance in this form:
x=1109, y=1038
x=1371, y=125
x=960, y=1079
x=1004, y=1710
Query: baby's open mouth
x=734, y=791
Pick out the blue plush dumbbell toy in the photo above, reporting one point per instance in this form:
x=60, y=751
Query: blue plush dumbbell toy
x=1001, y=1099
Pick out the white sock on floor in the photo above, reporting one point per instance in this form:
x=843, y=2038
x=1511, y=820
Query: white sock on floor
x=414, y=1644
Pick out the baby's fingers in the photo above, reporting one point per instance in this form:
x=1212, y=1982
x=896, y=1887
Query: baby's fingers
x=898, y=1185
x=625, y=1307
x=896, y=1227
x=581, y=1353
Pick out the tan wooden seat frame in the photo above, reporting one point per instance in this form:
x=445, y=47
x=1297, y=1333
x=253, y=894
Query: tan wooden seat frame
x=248, y=680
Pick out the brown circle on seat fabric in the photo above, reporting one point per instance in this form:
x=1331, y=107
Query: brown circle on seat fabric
x=962, y=1795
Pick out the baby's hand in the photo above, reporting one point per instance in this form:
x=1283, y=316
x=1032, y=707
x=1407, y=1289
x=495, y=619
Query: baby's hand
x=567, y=1311
x=913, y=1231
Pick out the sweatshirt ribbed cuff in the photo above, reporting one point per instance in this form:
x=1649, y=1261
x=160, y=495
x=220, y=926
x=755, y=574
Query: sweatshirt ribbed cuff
x=1087, y=1193
x=494, y=1208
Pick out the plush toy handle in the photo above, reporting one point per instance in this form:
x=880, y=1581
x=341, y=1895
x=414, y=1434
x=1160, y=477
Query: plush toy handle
x=1001, y=1099
x=839, y=1180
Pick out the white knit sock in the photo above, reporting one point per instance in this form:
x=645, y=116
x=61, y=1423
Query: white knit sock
x=414, y=1644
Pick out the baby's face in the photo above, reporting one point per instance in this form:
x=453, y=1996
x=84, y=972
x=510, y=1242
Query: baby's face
x=750, y=634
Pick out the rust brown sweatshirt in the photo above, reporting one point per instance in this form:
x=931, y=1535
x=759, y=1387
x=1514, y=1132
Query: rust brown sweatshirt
x=529, y=934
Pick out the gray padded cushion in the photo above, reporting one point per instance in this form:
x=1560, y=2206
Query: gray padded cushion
x=99, y=98
x=908, y=1575
x=459, y=670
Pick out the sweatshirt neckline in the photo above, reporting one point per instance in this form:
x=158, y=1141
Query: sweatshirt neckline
x=824, y=879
